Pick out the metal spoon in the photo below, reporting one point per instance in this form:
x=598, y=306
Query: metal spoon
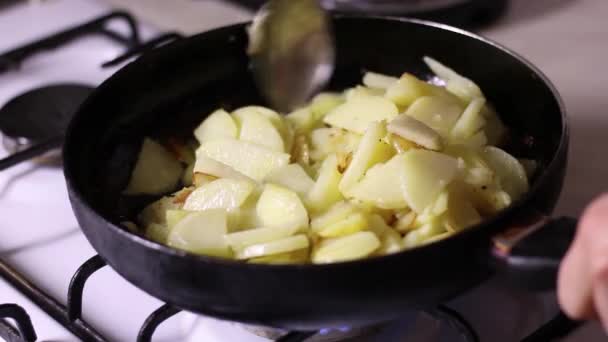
x=292, y=51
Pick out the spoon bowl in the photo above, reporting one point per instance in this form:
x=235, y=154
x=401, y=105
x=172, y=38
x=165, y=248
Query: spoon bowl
x=292, y=51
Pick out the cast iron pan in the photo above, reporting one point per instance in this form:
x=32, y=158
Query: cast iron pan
x=170, y=90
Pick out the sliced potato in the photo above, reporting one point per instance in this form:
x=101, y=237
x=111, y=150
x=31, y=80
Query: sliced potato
x=426, y=216
x=391, y=242
x=332, y=140
x=512, y=175
x=300, y=152
x=461, y=213
x=279, y=207
x=245, y=217
x=296, y=257
x=488, y=200
x=173, y=216
x=459, y=85
x=479, y=176
x=156, y=171
x=405, y=221
x=337, y=212
x=352, y=223
x=258, y=129
x=200, y=179
x=157, y=232
x=399, y=144
x=217, y=126
x=379, y=81
x=155, y=211
x=201, y=232
x=407, y=90
x=206, y=167
x=223, y=193
x=325, y=103
x=417, y=237
x=472, y=157
x=380, y=186
x=438, y=237
x=284, y=128
x=302, y=120
x=292, y=177
x=362, y=91
x=416, y=131
x=345, y=177
x=477, y=141
x=246, y=238
x=438, y=113
x=358, y=112
x=350, y=247
x=275, y=118
x=325, y=191
x=389, y=238
x=494, y=129
x=249, y=159
x=425, y=175
x=371, y=150
x=440, y=205
x=285, y=245
x=471, y=121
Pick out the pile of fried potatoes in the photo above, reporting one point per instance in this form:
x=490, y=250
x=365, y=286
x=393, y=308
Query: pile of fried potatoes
x=383, y=167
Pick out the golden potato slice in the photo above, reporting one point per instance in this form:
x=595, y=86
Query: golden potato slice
x=201, y=232
x=223, y=193
x=350, y=247
x=217, y=126
x=358, y=112
x=511, y=174
x=279, y=207
x=156, y=171
x=325, y=191
x=252, y=160
x=289, y=244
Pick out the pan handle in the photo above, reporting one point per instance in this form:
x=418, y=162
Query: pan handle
x=530, y=255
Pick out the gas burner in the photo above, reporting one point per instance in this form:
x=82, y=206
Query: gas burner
x=438, y=324
x=33, y=123
x=40, y=115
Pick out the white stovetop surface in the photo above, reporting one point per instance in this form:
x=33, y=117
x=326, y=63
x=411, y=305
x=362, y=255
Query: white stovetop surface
x=39, y=236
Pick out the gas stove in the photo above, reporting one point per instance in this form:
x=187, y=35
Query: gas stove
x=55, y=287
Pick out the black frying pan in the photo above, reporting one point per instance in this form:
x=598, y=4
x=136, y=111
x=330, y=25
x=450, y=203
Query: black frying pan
x=170, y=90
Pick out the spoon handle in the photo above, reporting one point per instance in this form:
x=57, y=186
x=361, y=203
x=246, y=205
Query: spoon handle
x=31, y=152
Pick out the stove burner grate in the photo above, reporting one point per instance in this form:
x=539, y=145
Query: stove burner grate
x=70, y=315
x=33, y=123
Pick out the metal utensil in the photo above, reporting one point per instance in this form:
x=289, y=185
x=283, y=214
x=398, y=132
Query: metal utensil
x=292, y=52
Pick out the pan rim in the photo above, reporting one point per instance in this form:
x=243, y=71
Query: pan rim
x=77, y=195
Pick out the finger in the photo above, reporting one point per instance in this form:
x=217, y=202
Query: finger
x=600, y=300
x=575, y=278
x=575, y=284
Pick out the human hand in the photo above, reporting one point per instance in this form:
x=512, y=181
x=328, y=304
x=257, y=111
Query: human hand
x=583, y=275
